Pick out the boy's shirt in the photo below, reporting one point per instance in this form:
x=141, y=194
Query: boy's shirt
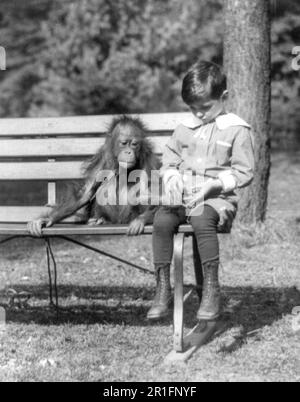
x=222, y=149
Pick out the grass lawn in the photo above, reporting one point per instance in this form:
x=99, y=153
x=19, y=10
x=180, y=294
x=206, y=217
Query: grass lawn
x=101, y=333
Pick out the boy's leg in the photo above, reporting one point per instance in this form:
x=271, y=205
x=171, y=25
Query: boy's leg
x=166, y=223
x=205, y=228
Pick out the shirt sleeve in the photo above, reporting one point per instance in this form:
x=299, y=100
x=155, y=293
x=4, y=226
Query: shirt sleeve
x=242, y=162
x=171, y=159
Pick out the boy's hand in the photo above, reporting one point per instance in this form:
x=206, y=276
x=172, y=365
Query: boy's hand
x=226, y=220
x=210, y=187
x=174, y=190
x=35, y=227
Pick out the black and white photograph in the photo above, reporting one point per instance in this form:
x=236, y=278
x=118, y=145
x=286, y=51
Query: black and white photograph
x=149, y=194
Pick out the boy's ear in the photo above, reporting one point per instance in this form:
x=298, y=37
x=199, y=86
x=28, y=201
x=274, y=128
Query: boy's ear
x=224, y=96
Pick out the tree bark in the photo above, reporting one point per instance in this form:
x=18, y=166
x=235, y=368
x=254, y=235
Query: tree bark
x=247, y=54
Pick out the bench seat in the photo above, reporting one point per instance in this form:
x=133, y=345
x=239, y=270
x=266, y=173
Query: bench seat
x=20, y=229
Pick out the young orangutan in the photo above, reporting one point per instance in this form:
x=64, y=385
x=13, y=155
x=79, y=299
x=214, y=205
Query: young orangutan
x=125, y=151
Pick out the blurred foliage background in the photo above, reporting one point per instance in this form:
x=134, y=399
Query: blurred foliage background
x=81, y=57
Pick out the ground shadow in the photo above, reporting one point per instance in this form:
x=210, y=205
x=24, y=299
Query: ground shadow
x=81, y=305
x=250, y=309
x=246, y=307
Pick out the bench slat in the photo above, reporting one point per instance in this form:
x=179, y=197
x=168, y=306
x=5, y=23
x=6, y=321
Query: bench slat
x=40, y=171
x=49, y=147
x=23, y=214
x=83, y=124
x=61, y=147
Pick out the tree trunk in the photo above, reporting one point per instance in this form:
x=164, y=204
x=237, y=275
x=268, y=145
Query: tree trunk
x=247, y=63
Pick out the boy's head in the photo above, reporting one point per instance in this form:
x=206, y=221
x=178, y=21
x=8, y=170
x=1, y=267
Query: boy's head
x=204, y=90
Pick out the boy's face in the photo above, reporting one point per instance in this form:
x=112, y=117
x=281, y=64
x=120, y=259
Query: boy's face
x=207, y=109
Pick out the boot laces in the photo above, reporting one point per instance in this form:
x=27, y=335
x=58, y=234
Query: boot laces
x=163, y=284
x=211, y=283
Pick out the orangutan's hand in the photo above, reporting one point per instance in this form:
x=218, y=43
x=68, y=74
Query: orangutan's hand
x=136, y=227
x=96, y=221
x=35, y=228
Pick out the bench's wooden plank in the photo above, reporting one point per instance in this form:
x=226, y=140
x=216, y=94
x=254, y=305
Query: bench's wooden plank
x=49, y=147
x=83, y=124
x=61, y=147
x=51, y=193
x=21, y=214
x=40, y=171
x=10, y=229
x=24, y=214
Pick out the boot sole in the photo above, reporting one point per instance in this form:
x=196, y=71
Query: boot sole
x=158, y=317
x=208, y=318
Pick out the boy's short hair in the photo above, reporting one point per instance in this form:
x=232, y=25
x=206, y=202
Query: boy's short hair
x=203, y=79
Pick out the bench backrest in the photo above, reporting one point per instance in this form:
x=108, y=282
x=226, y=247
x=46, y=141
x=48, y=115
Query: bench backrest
x=52, y=150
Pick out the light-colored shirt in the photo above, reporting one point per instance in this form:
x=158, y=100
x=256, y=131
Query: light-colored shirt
x=223, y=149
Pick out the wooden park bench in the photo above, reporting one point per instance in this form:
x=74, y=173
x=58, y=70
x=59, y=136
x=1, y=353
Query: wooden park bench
x=52, y=150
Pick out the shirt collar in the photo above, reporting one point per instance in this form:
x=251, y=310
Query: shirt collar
x=230, y=120
x=223, y=121
x=192, y=121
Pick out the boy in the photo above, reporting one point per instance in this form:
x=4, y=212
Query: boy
x=217, y=149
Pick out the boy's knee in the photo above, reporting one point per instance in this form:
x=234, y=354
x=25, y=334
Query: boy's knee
x=165, y=222
x=207, y=222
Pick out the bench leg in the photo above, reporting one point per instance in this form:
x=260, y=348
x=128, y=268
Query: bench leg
x=197, y=268
x=50, y=255
x=178, y=293
x=185, y=347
